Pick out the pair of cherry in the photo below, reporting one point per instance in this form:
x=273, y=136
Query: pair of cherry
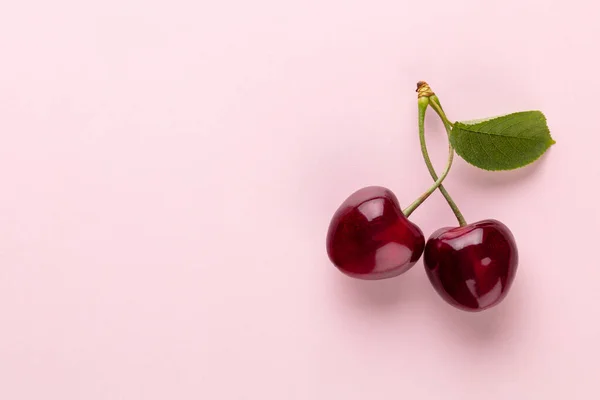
x=471, y=266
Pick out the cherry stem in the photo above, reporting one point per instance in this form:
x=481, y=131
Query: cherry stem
x=438, y=180
x=435, y=104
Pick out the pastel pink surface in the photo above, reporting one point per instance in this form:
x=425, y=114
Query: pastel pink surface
x=169, y=170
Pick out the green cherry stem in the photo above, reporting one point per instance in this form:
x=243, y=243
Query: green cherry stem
x=434, y=102
x=423, y=102
x=425, y=92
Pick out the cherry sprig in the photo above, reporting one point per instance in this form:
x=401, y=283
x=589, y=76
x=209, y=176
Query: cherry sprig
x=472, y=266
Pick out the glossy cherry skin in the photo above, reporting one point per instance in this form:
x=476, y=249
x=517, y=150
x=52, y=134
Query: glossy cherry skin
x=472, y=267
x=370, y=238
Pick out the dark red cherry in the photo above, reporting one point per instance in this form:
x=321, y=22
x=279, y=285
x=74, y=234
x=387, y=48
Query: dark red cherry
x=472, y=267
x=370, y=238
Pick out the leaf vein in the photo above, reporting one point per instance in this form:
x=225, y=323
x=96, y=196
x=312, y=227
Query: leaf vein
x=498, y=148
x=463, y=128
x=483, y=147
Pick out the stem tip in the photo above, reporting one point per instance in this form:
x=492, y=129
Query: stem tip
x=424, y=90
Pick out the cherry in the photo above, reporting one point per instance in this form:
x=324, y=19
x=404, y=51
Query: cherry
x=473, y=266
x=370, y=238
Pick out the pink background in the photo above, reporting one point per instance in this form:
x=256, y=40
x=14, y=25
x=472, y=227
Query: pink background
x=169, y=168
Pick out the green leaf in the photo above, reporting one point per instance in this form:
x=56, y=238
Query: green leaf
x=502, y=143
